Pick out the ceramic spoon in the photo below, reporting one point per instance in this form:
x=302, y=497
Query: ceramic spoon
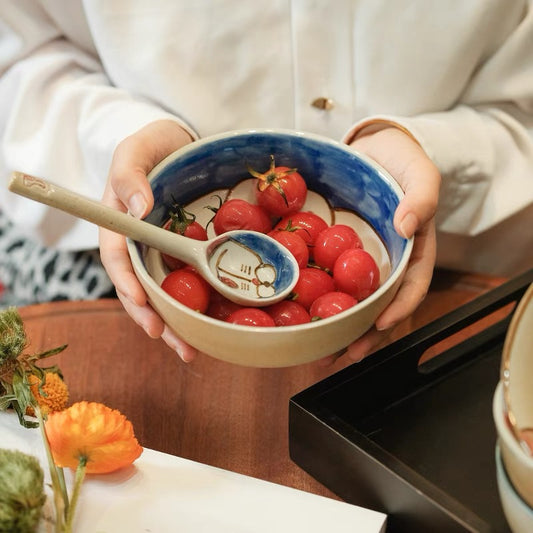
x=246, y=267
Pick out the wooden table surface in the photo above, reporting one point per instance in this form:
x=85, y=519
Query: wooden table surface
x=208, y=411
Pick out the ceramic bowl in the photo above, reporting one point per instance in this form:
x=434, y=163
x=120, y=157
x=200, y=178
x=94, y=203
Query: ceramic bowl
x=517, y=363
x=518, y=464
x=518, y=513
x=344, y=187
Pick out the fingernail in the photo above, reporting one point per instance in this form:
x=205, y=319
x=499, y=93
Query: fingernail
x=356, y=357
x=123, y=295
x=149, y=333
x=137, y=205
x=185, y=356
x=408, y=225
x=174, y=346
x=179, y=351
x=385, y=326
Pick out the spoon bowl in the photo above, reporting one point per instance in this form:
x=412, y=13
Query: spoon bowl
x=247, y=267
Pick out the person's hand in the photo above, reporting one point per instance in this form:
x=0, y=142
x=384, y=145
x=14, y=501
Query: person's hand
x=407, y=162
x=128, y=189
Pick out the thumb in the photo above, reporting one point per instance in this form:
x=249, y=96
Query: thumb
x=419, y=204
x=409, y=164
x=127, y=187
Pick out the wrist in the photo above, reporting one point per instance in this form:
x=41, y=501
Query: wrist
x=373, y=126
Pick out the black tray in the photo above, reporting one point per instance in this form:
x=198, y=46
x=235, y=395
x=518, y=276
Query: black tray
x=415, y=441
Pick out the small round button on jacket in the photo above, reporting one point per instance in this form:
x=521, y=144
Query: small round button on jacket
x=323, y=103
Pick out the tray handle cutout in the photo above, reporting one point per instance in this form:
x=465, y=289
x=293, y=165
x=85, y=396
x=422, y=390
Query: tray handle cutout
x=486, y=316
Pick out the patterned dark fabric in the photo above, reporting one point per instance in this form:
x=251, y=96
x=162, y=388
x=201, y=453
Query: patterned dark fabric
x=31, y=273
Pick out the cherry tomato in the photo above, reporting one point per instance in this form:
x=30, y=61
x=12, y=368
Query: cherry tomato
x=183, y=223
x=251, y=316
x=356, y=273
x=306, y=224
x=311, y=284
x=188, y=288
x=280, y=190
x=220, y=307
x=332, y=241
x=294, y=243
x=240, y=214
x=288, y=313
x=330, y=304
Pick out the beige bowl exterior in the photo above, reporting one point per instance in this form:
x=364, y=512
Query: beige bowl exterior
x=517, y=362
x=268, y=347
x=518, y=464
x=518, y=514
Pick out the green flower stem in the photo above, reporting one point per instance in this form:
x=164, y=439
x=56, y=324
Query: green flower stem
x=78, y=480
x=59, y=488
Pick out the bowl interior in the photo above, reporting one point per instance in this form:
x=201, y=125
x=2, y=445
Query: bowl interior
x=332, y=171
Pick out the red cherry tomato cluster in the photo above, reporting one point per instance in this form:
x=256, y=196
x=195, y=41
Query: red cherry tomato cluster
x=335, y=271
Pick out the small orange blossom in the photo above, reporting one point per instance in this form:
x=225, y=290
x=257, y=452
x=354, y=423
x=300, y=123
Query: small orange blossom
x=55, y=390
x=92, y=433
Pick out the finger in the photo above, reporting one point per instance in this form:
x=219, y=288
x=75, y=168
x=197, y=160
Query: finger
x=184, y=350
x=415, y=283
x=128, y=187
x=367, y=344
x=116, y=261
x=150, y=321
x=418, y=176
x=330, y=359
x=421, y=186
x=134, y=158
x=144, y=316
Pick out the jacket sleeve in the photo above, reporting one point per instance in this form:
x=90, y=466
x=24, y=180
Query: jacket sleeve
x=483, y=145
x=60, y=119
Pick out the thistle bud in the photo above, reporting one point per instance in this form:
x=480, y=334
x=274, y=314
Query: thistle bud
x=21, y=492
x=12, y=335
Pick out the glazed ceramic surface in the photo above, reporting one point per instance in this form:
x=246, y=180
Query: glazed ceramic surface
x=517, y=362
x=519, y=515
x=252, y=267
x=518, y=465
x=344, y=187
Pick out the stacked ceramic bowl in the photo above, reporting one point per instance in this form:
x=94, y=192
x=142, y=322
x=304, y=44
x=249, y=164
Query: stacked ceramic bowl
x=513, y=417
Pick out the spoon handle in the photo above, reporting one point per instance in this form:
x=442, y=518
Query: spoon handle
x=80, y=206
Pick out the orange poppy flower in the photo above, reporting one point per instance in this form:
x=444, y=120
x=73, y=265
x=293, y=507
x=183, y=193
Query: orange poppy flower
x=92, y=433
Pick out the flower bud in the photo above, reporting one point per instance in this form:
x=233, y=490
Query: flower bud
x=21, y=491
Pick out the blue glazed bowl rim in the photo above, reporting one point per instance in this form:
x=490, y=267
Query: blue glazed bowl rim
x=197, y=144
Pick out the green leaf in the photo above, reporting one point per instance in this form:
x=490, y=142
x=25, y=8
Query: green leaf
x=22, y=418
x=51, y=352
x=22, y=391
x=6, y=400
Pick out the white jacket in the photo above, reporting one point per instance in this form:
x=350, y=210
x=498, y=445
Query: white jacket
x=77, y=76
